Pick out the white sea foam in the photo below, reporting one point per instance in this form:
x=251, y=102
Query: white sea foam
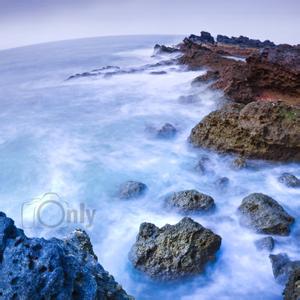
x=83, y=138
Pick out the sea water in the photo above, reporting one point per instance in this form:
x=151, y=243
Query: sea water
x=74, y=142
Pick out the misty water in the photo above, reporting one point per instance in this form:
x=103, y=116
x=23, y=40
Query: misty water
x=80, y=139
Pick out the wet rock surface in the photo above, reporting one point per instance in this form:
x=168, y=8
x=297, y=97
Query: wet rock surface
x=174, y=251
x=265, y=130
x=190, y=201
x=35, y=268
x=289, y=180
x=265, y=244
x=271, y=72
x=283, y=267
x=244, y=41
x=132, y=189
x=162, y=49
x=263, y=214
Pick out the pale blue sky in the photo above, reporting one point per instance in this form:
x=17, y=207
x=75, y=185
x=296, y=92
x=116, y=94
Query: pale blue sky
x=24, y=22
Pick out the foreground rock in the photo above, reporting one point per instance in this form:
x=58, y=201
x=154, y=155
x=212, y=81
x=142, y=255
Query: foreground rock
x=289, y=180
x=132, y=189
x=264, y=130
x=174, y=251
x=190, y=201
x=265, y=215
x=35, y=268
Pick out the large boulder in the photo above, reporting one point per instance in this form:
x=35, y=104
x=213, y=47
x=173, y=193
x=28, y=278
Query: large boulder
x=265, y=130
x=265, y=215
x=190, y=201
x=174, y=251
x=35, y=268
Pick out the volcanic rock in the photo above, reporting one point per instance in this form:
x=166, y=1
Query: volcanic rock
x=190, y=200
x=265, y=215
x=265, y=130
x=174, y=251
x=35, y=268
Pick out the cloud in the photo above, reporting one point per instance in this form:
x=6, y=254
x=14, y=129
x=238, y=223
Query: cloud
x=33, y=21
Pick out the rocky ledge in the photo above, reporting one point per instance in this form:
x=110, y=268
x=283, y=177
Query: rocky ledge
x=174, y=251
x=246, y=69
x=264, y=130
x=35, y=268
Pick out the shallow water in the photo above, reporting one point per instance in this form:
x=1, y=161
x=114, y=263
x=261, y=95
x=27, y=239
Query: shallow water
x=81, y=139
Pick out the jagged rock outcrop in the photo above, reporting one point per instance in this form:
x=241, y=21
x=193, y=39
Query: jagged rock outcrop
x=174, y=251
x=270, y=72
x=35, y=268
x=244, y=41
x=265, y=215
x=264, y=130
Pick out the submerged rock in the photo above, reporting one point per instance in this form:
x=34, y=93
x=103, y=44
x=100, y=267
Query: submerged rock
x=266, y=243
x=35, y=268
x=283, y=267
x=265, y=215
x=174, y=251
x=289, y=180
x=190, y=200
x=222, y=182
x=132, y=189
x=166, y=131
x=265, y=130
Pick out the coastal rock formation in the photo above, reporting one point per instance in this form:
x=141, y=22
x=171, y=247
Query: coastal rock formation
x=174, y=251
x=289, y=180
x=270, y=72
x=205, y=37
x=264, y=130
x=190, y=200
x=132, y=189
x=244, y=41
x=263, y=214
x=35, y=268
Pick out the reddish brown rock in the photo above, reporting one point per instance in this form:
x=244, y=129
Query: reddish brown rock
x=271, y=73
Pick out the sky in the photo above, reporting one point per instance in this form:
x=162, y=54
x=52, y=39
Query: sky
x=26, y=22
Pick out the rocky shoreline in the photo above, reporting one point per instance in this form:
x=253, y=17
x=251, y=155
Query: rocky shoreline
x=261, y=120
